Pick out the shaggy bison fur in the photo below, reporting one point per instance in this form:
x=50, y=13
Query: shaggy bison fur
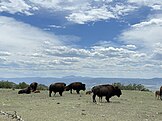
x=57, y=87
x=105, y=90
x=75, y=86
x=34, y=86
x=25, y=91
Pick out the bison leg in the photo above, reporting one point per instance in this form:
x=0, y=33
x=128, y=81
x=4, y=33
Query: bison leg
x=161, y=97
x=94, y=96
x=158, y=97
x=50, y=93
x=54, y=93
x=60, y=93
x=77, y=91
x=100, y=99
x=107, y=98
x=71, y=91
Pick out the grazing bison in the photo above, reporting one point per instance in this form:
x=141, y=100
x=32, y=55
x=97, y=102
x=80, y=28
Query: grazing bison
x=157, y=94
x=34, y=86
x=105, y=90
x=161, y=92
x=75, y=86
x=57, y=87
x=26, y=91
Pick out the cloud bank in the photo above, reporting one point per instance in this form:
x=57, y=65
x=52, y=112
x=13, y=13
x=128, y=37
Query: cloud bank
x=27, y=50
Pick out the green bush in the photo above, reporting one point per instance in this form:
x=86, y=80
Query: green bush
x=7, y=84
x=42, y=87
x=22, y=85
x=139, y=87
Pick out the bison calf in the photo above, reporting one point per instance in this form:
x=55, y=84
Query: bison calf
x=105, y=90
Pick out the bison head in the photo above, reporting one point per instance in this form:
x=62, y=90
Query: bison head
x=83, y=87
x=118, y=91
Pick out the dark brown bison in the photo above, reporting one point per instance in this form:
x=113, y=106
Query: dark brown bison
x=75, y=86
x=157, y=94
x=105, y=90
x=34, y=86
x=25, y=91
x=161, y=92
x=57, y=87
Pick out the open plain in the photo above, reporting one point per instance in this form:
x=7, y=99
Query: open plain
x=131, y=106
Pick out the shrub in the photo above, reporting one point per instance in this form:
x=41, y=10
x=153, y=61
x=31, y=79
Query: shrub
x=22, y=85
x=42, y=87
x=139, y=87
x=7, y=84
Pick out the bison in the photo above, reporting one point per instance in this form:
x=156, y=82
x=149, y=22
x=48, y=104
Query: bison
x=105, y=90
x=26, y=91
x=75, y=86
x=157, y=94
x=161, y=92
x=34, y=86
x=57, y=87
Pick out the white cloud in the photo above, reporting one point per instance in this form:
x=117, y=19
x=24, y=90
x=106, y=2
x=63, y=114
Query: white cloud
x=94, y=14
x=64, y=51
x=74, y=10
x=3, y=53
x=64, y=5
x=16, y=6
x=57, y=26
x=22, y=45
x=20, y=37
x=156, y=21
x=144, y=35
x=122, y=9
x=132, y=47
x=154, y=4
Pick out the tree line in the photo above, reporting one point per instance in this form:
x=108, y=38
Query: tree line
x=12, y=85
x=22, y=85
x=138, y=87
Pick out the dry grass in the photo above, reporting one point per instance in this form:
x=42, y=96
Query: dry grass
x=131, y=106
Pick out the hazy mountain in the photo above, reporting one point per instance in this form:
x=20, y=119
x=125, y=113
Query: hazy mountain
x=152, y=84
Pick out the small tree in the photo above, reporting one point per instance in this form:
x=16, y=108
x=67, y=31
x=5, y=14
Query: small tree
x=22, y=85
x=42, y=87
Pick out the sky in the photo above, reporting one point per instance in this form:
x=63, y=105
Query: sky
x=94, y=38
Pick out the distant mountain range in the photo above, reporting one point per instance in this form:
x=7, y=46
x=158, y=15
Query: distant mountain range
x=152, y=84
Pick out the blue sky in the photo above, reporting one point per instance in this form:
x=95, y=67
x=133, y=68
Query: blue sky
x=97, y=38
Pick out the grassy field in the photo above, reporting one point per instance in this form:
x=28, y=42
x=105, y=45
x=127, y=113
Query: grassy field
x=131, y=106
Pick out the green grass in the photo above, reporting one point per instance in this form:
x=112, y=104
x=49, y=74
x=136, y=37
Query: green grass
x=131, y=106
